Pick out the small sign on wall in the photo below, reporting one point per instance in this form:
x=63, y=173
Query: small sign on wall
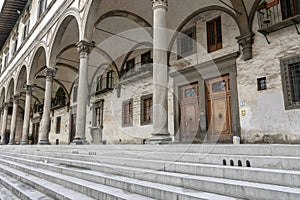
x=243, y=113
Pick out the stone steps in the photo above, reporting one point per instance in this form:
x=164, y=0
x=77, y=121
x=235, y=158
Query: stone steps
x=284, y=177
x=76, y=187
x=263, y=160
x=32, y=184
x=223, y=186
x=245, y=149
x=146, y=188
x=6, y=193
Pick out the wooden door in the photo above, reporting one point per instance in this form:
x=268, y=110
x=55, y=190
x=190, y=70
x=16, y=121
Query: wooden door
x=219, y=109
x=35, y=129
x=73, y=127
x=189, y=113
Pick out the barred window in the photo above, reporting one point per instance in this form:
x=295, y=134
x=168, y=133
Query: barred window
x=186, y=43
x=290, y=69
x=146, y=109
x=127, y=113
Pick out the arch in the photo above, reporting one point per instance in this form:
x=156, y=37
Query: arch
x=95, y=74
x=132, y=50
x=2, y=97
x=10, y=90
x=125, y=14
x=58, y=82
x=252, y=12
x=69, y=15
x=39, y=50
x=107, y=57
x=90, y=27
x=194, y=14
x=21, y=78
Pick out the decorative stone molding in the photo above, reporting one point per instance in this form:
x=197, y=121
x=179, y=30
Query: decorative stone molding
x=50, y=73
x=84, y=48
x=26, y=15
x=246, y=42
x=6, y=50
x=160, y=4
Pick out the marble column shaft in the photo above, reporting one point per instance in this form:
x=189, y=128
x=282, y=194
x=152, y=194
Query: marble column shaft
x=13, y=124
x=45, y=123
x=25, y=131
x=84, y=49
x=160, y=71
x=4, y=122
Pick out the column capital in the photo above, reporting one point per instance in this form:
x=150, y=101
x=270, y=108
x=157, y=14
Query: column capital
x=50, y=73
x=246, y=41
x=160, y=4
x=29, y=89
x=84, y=47
x=16, y=98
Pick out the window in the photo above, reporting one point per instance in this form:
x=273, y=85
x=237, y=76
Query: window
x=58, y=124
x=261, y=84
x=291, y=82
x=41, y=7
x=214, y=34
x=75, y=93
x=60, y=98
x=6, y=60
x=289, y=8
x=146, y=109
x=146, y=58
x=99, y=114
x=186, y=43
x=130, y=65
x=127, y=113
x=105, y=82
x=15, y=46
x=25, y=30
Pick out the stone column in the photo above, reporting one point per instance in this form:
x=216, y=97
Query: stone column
x=13, y=124
x=45, y=123
x=160, y=73
x=84, y=49
x=246, y=41
x=4, y=122
x=25, y=131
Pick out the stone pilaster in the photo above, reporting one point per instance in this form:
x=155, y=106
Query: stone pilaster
x=45, y=123
x=25, y=131
x=13, y=124
x=246, y=42
x=84, y=48
x=4, y=121
x=160, y=132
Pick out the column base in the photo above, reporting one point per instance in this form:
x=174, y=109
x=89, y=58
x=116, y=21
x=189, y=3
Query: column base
x=159, y=139
x=11, y=143
x=79, y=141
x=44, y=142
x=24, y=143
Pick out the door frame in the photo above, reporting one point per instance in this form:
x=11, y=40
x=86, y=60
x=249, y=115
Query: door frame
x=199, y=73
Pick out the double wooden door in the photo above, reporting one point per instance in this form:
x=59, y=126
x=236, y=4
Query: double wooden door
x=219, y=109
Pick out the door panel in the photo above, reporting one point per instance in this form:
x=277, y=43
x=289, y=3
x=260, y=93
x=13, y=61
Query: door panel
x=219, y=109
x=189, y=109
x=73, y=127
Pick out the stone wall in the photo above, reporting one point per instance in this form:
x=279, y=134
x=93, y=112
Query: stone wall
x=266, y=119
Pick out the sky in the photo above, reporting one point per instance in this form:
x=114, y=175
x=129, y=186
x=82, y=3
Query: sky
x=1, y=3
